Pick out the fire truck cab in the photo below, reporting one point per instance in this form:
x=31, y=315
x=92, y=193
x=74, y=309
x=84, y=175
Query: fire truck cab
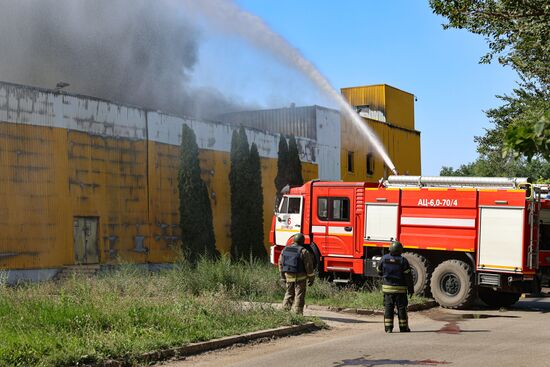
x=463, y=236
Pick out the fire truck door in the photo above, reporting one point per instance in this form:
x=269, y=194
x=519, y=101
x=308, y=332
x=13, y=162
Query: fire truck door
x=289, y=219
x=340, y=233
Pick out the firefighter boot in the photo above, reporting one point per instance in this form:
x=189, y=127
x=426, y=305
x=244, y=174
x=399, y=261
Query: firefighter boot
x=404, y=326
x=388, y=325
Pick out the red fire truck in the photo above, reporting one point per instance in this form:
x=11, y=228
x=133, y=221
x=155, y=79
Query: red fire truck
x=463, y=236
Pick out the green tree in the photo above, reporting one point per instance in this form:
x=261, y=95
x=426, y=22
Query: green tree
x=257, y=201
x=282, y=167
x=237, y=175
x=518, y=33
x=493, y=165
x=246, y=199
x=294, y=173
x=197, y=231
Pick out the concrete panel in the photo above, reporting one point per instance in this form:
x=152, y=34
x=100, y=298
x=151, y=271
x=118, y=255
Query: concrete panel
x=41, y=107
x=13, y=277
x=166, y=129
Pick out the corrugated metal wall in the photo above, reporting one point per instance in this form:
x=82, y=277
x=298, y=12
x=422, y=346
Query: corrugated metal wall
x=65, y=156
x=299, y=121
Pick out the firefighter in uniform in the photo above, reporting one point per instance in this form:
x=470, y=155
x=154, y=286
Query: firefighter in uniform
x=397, y=281
x=296, y=267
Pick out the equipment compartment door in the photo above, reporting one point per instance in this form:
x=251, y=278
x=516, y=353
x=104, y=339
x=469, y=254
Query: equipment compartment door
x=289, y=219
x=501, y=239
x=381, y=222
x=85, y=240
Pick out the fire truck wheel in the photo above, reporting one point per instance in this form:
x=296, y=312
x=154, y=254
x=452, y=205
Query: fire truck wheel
x=452, y=284
x=497, y=299
x=421, y=273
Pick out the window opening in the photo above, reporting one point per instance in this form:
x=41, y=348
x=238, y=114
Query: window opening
x=340, y=209
x=294, y=206
x=350, y=162
x=322, y=208
x=370, y=164
x=334, y=209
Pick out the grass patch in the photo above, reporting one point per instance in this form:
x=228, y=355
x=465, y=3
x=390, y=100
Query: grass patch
x=259, y=282
x=129, y=312
x=122, y=314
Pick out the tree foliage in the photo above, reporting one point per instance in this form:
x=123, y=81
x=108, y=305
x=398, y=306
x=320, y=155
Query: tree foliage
x=294, y=164
x=197, y=231
x=518, y=34
x=257, y=204
x=246, y=199
x=494, y=165
x=282, y=167
x=289, y=166
x=517, y=31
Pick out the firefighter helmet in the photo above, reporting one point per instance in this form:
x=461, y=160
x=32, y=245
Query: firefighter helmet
x=299, y=239
x=396, y=248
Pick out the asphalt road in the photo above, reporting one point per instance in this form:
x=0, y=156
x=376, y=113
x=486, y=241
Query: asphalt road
x=483, y=337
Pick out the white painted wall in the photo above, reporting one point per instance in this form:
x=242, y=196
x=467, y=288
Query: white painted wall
x=41, y=107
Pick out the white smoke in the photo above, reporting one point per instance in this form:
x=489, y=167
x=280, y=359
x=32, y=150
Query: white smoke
x=232, y=19
x=139, y=52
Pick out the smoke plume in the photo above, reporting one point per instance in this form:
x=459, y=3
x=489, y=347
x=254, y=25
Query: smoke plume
x=137, y=52
x=226, y=15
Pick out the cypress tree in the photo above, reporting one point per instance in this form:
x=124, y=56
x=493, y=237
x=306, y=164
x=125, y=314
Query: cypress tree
x=234, y=192
x=294, y=164
x=240, y=198
x=282, y=167
x=257, y=204
x=197, y=231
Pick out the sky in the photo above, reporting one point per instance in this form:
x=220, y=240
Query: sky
x=354, y=42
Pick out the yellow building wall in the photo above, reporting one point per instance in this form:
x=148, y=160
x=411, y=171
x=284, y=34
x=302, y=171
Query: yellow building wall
x=215, y=167
x=399, y=107
x=397, y=135
x=33, y=196
x=372, y=95
x=48, y=176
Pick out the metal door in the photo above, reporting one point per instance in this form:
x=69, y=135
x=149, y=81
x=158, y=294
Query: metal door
x=340, y=237
x=289, y=219
x=85, y=240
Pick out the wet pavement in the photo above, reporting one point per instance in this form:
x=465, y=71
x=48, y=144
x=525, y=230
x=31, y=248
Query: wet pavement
x=517, y=336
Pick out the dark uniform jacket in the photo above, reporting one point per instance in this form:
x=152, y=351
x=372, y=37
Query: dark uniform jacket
x=396, y=274
x=307, y=267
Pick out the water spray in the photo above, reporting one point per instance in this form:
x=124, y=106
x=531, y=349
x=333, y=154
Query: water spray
x=227, y=15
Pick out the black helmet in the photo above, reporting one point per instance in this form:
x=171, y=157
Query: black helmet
x=299, y=239
x=396, y=248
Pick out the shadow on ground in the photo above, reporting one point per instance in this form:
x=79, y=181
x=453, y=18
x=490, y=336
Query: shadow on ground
x=348, y=321
x=365, y=361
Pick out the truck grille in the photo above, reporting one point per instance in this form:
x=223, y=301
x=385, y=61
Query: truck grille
x=489, y=279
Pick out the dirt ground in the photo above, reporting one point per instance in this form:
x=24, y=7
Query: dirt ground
x=518, y=336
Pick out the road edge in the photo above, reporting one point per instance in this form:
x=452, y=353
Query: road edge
x=210, y=345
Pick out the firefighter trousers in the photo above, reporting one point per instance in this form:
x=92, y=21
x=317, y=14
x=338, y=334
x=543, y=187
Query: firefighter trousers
x=295, y=296
x=391, y=301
